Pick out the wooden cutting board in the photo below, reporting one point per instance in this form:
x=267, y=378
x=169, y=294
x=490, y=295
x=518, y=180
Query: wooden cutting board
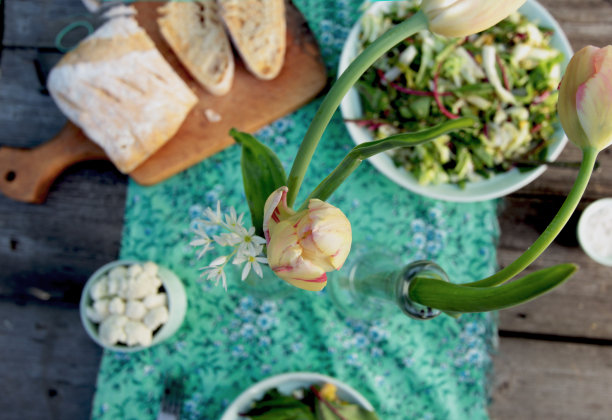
x=27, y=174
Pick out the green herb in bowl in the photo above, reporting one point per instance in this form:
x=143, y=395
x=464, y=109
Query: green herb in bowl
x=311, y=403
x=505, y=78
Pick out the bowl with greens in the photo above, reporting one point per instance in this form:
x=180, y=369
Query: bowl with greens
x=300, y=395
x=505, y=78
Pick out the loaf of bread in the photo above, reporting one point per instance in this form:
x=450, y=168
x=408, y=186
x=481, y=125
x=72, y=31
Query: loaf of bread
x=196, y=34
x=118, y=88
x=258, y=31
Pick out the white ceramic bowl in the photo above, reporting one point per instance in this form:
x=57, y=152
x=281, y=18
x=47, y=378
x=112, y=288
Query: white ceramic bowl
x=589, y=226
x=496, y=186
x=177, y=305
x=286, y=383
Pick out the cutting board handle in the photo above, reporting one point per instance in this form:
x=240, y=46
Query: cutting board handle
x=27, y=174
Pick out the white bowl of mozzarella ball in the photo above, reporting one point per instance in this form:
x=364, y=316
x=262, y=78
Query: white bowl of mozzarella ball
x=131, y=305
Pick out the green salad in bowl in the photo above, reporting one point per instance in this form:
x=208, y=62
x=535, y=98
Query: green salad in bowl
x=505, y=78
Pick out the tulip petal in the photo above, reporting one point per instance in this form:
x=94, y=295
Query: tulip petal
x=456, y=18
x=303, y=246
x=275, y=209
x=579, y=70
x=593, y=100
x=328, y=241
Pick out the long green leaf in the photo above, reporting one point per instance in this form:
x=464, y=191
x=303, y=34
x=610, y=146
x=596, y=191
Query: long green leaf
x=262, y=174
x=368, y=149
x=461, y=298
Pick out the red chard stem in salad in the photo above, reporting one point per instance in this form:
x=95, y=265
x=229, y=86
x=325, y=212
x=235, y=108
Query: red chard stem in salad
x=436, y=96
x=503, y=71
x=318, y=395
x=541, y=98
x=406, y=90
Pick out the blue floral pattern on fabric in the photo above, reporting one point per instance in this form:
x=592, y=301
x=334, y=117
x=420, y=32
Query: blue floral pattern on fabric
x=408, y=369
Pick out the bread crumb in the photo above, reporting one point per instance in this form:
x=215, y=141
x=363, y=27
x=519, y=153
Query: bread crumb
x=212, y=115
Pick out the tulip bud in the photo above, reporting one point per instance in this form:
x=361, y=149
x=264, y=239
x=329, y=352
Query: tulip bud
x=457, y=18
x=304, y=245
x=585, y=98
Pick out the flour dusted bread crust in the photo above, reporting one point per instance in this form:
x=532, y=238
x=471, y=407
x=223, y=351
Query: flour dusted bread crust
x=258, y=30
x=119, y=89
x=197, y=36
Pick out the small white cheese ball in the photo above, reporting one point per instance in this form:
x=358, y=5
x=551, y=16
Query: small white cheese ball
x=138, y=287
x=111, y=330
x=100, y=307
x=118, y=272
x=135, y=309
x=93, y=315
x=153, y=301
x=99, y=290
x=156, y=317
x=113, y=285
x=136, y=333
x=150, y=268
x=134, y=270
x=116, y=306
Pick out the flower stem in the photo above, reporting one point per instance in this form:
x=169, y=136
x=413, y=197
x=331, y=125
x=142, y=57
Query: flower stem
x=368, y=149
x=554, y=228
x=353, y=72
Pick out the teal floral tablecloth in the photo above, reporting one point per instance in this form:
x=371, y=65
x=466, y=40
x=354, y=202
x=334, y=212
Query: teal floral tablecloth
x=408, y=369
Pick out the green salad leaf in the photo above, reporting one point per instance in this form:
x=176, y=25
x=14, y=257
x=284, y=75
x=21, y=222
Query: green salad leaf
x=305, y=404
x=505, y=78
x=276, y=406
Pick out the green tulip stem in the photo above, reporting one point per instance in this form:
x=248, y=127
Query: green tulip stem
x=589, y=156
x=368, y=149
x=349, y=77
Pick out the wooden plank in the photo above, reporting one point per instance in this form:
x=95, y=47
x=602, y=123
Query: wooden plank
x=36, y=23
x=558, y=181
x=251, y=104
x=57, y=246
x=585, y=22
x=537, y=380
x=49, y=364
x=29, y=115
x=54, y=247
x=578, y=308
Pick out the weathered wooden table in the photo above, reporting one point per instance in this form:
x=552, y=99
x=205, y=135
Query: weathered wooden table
x=555, y=357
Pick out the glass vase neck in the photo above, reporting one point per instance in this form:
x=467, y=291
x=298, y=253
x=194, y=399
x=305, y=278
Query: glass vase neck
x=374, y=285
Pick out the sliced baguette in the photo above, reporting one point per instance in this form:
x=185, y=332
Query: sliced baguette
x=258, y=31
x=118, y=88
x=196, y=34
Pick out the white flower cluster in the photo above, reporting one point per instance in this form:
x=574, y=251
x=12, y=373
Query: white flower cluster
x=247, y=247
x=128, y=305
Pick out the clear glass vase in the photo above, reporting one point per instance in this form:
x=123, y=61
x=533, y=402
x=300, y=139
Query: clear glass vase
x=374, y=285
x=270, y=286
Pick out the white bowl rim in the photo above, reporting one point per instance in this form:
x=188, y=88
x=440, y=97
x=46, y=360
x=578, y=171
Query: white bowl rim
x=88, y=324
x=495, y=187
x=582, y=222
x=300, y=379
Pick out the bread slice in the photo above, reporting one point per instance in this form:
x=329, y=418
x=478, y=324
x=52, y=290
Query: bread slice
x=258, y=30
x=196, y=34
x=118, y=88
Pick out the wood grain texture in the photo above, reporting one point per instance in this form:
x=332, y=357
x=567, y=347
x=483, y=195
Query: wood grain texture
x=53, y=248
x=27, y=174
x=578, y=308
x=251, y=104
x=57, y=246
x=537, y=380
x=44, y=375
